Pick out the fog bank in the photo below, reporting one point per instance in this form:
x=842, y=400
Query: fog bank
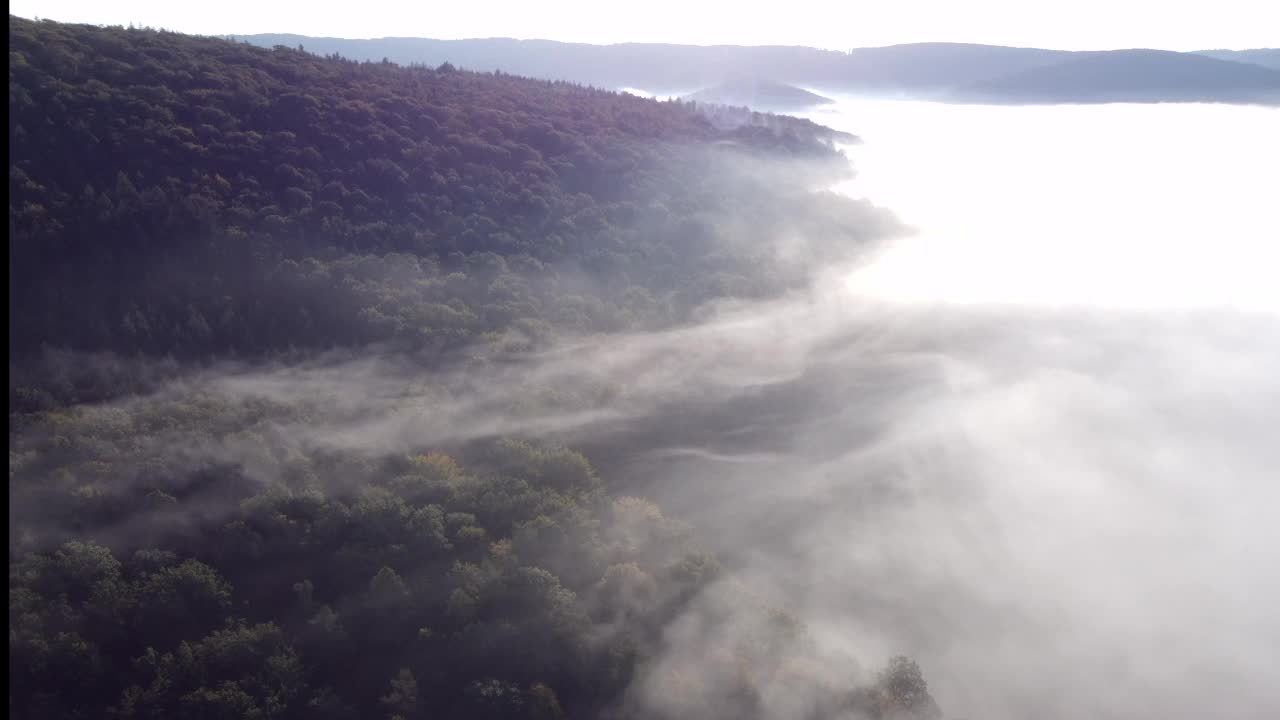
x=1036, y=450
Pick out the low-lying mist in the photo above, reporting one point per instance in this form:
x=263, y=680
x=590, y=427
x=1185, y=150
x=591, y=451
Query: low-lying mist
x=1059, y=508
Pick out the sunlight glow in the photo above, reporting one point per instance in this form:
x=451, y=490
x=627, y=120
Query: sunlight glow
x=1114, y=205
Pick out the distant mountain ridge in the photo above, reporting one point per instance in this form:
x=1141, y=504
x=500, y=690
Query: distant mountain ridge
x=1266, y=57
x=1135, y=76
x=956, y=72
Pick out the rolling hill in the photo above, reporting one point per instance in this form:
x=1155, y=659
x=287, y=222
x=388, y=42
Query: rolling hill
x=1133, y=76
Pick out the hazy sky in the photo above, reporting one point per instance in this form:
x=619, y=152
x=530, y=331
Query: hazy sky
x=1067, y=24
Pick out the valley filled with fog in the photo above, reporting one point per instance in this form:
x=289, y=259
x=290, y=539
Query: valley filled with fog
x=1034, y=445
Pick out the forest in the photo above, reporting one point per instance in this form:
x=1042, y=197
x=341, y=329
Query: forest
x=186, y=544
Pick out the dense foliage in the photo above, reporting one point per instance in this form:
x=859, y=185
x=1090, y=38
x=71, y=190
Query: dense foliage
x=180, y=551
x=171, y=194
x=333, y=591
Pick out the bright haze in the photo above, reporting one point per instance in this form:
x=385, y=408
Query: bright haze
x=1058, y=24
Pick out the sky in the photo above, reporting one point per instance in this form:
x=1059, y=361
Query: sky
x=1060, y=24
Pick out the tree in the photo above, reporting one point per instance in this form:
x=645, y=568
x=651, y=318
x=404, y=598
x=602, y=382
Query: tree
x=75, y=570
x=238, y=671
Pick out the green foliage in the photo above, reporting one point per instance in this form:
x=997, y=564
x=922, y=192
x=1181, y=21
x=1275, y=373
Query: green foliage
x=289, y=583
x=240, y=671
x=487, y=601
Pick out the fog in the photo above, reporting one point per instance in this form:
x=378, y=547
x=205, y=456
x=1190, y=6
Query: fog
x=1044, y=452
x=1035, y=445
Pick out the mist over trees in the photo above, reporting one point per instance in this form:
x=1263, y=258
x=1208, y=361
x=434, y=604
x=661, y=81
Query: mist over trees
x=192, y=536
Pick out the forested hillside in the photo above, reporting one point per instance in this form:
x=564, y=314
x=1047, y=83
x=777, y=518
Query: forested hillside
x=179, y=195
x=190, y=540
